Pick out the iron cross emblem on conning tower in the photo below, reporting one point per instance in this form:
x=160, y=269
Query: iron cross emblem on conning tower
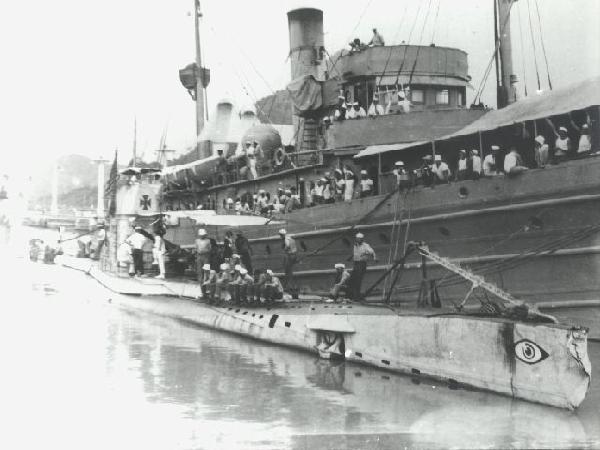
x=145, y=202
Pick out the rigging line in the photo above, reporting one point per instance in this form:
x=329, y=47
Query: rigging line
x=353, y=30
x=392, y=47
x=543, y=45
x=412, y=29
x=537, y=72
x=437, y=13
x=497, y=47
x=412, y=71
x=522, y=49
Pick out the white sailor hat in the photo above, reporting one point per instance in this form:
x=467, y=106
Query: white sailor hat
x=438, y=158
x=269, y=272
x=462, y=151
x=324, y=180
x=540, y=139
x=201, y=232
x=326, y=119
x=288, y=191
x=235, y=255
x=243, y=271
x=359, y=236
x=562, y=129
x=206, y=267
x=327, y=174
x=399, y=163
x=137, y=227
x=248, y=142
x=237, y=267
x=495, y=148
x=224, y=266
x=475, y=152
x=341, y=97
x=282, y=231
x=229, y=200
x=363, y=172
x=585, y=125
x=340, y=266
x=261, y=191
x=355, y=104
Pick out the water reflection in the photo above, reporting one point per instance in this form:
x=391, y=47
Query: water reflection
x=86, y=374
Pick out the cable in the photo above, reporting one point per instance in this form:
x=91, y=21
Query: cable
x=497, y=47
x=437, y=13
x=392, y=48
x=408, y=43
x=543, y=45
x=412, y=72
x=537, y=73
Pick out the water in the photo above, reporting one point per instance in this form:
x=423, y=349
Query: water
x=80, y=373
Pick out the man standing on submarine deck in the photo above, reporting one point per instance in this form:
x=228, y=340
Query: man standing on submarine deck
x=363, y=252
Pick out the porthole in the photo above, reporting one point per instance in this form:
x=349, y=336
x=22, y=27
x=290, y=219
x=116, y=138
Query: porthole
x=268, y=249
x=444, y=231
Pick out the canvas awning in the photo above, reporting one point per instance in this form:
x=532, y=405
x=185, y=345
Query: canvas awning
x=427, y=80
x=210, y=217
x=378, y=149
x=552, y=103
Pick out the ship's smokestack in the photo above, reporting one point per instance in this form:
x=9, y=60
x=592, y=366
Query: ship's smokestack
x=306, y=54
x=306, y=41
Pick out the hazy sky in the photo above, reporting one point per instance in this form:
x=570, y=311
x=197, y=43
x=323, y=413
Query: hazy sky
x=75, y=73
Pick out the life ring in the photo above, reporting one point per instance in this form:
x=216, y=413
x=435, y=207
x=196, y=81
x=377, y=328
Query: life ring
x=279, y=156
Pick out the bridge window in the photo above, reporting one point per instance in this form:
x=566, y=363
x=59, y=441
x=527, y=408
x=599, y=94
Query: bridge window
x=417, y=96
x=442, y=97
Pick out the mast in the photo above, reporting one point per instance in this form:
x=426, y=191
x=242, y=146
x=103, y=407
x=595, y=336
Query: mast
x=199, y=76
x=507, y=93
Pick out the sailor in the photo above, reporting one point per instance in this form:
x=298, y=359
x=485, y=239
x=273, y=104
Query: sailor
x=402, y=175
x=137, y=241
x=440, y=170
x=376, y=40
x=261, y=202
x=318, y=192
x=513, y=164
x=475, y=163
x=490, y=162
x=328, y=188
x=125, y=257
x=403, y=101
x=359, y=111
x=290, y=257
x=158, y=252
x=222, y=283
x=366, y=184
x=203, y=250
x=245, y=285
x=541, y=151
x=375, y=109
x=341, y=109
x=242, y=247
x=425, y=171
x=209, y=283
x=349, y=179
x=271, y=288
x=340, y=183
x=356, y=45
x=462, y=171
x=585, y=141
x=100, y=241
x=251, y=163
x=562, y=145
x=361, y=255
x=234, y=283
x=341, y=283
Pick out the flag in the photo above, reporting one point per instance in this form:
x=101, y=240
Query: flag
x=110, y=190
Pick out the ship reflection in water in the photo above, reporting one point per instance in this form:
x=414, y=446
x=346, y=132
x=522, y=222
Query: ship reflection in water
x=84, y=374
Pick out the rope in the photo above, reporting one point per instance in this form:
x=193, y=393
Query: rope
x=408, y=43
x=543, y=45
x=537, y=72
x=77, y=237
x=437, y=13
x=393, y=250
x=352, y=228
x=353, y=30
x=392, y=48
x=490, y=63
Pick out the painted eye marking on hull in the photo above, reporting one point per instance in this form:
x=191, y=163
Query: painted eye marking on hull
x=529, y=352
